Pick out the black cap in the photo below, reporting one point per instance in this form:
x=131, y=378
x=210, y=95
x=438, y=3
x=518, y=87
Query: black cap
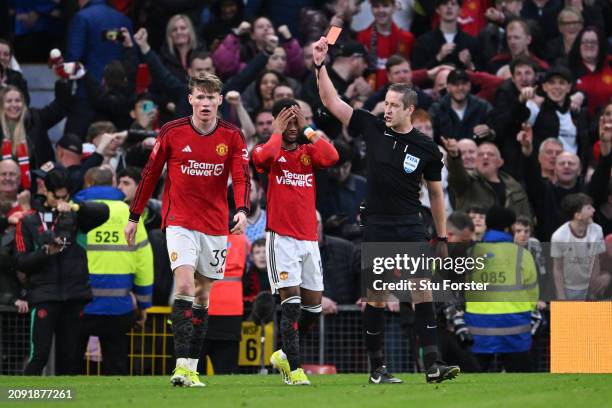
x=457, y=75
x=561, y=71
x=352, y=49
x=71, y=142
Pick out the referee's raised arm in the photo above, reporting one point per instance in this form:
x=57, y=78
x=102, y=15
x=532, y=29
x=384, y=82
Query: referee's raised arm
x=340, y=109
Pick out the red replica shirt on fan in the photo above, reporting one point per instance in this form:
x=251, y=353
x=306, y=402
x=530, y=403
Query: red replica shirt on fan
x=291, y=185
x=195, y=195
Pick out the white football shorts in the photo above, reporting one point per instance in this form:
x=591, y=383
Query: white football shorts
x=206, y=253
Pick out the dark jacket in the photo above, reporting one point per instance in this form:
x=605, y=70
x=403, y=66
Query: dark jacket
x=546, y=197
x=506, y=126
x=428, y=45
x=40, y=120
x=474, y=190
x=64, y=276
x=446, y=123
x=341, y=270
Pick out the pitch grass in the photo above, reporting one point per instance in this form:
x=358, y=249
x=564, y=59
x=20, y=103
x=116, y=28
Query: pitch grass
x=468, y=390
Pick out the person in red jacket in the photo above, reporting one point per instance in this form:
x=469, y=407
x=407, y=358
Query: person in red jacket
x=200, y=152
x=383, y=39
x=294, y=261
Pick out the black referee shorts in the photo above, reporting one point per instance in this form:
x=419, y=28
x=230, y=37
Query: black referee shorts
x=394, y=228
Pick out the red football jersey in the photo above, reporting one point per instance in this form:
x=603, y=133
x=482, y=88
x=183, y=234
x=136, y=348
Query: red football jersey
x=291, y=209
x=195, y=194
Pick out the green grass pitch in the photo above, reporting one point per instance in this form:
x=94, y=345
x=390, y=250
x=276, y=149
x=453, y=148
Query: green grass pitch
x=468, y=390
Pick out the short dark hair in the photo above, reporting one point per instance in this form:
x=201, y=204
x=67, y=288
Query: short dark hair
x=143, y=96
x=525, y=221
x=8, y=44
x=199, y=53
x=258, y=242
x=58, y=178
x=283, y=103
x=477, y=209
x=522, y=60
x=98, y=128
x=395, y=59
x=460, y=220
x=500, y=218
x=520, y=22
x=409, y=96
x=573, y=203
x=114, y=75
x=205, y=83
x=442, y=2
x=135, y=173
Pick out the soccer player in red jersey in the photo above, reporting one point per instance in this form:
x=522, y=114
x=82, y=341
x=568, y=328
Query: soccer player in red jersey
x=292, y=249
x=200, y=152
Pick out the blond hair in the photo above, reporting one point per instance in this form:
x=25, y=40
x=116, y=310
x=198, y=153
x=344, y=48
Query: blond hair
x=18, y=134
x=193, y=41
x=205, y=82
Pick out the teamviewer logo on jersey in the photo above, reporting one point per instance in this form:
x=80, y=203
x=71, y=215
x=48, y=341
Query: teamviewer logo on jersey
x=186, y=149
x=196, y=168
x=294, y=179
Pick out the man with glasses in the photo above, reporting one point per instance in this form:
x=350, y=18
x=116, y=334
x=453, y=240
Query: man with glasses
x=55, y=264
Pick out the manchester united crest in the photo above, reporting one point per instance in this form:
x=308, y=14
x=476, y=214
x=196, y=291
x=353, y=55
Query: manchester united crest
x=284, y=275
x=173, y=256
x=305, y=159
x=222, y=149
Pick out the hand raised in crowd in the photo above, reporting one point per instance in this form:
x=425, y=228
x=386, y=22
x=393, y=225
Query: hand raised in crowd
x=529, y=93
x=319, y=50
x=63, y=207
x=271, y=43
x=329, y=306
x=481, y=131
x=605, y=135
x=494, y=15
x=22, y=306
x=433, y=72
x=243, y=28
x=282, y=121
x=525, y=138
x=359, y=87
x=233, y=98
x=127, y=38
x=141, y=40
x=451, y=147
x=103, y=142
x=284, y=31
x=576, y=101
x=445, y=51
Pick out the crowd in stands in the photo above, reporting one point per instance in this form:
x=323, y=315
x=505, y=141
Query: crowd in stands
x=516, y=93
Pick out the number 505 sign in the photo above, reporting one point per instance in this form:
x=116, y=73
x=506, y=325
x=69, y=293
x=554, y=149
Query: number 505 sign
x=250, y=345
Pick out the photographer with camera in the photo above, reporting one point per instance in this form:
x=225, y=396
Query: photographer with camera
x=56, y=270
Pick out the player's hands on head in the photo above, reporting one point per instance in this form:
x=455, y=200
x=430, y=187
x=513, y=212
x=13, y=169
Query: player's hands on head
x=319, y=50
x=130, y=232
x=240, y=220
x=299, y=117
x=282, y=120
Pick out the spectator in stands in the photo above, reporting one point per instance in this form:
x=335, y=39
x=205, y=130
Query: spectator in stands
x=468, y=149
x=256, y=221
x=551, y=116
x=479, y=218
x=487, y=186
x=116, y=272
x=383, y=38
x=447, y=44
x=231, y=56
x=602, y=200
x=591, y=64
x=546, y=196
x=92, y=40
x=56, y=269
x=23, y=131
x=544, y=13
x=549, y=150
x=341, y=270
x=492, y=38
x=397, y=71
x=507, y=99
x=280, y=11
x=262, y=91
x=39, y=27
x=222, y=343
x=263, y=126
x=575, y=249
x=591, y=12
x=225, y=15
x=9, y=76
x=68, y=152
x=459, y=114
x=256, y=278
x=127, y=182
x=518, y=38
x=522, y=230
x=570, y=23
x=104, y=136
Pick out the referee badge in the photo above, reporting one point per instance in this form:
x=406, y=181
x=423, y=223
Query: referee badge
x=411, y=163
x=222, y=149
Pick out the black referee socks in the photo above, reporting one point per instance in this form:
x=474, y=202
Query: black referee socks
x=181, y=326
x=427, y=329
x=374, y=332
x=199, y=320
x=290, y=314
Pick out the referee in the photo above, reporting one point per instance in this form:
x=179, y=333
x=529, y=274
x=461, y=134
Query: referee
x=398, y=157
